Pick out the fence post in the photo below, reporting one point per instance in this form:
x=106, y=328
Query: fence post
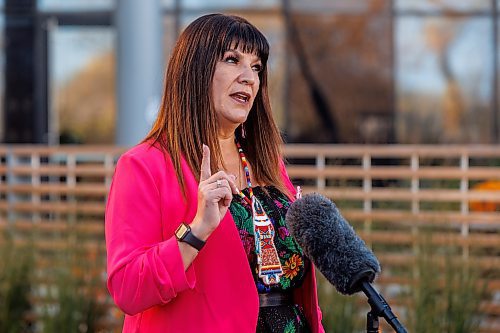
x=415, y=206
x=367, y=189
x=464, y=202
x=71, y=215
x=35, y=182
x=10, y=181
x=109, y=164
x=320, y=165
x=414, y=188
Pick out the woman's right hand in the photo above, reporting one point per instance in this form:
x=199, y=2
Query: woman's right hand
x=215, y=193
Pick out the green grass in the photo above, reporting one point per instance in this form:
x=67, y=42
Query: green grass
x=16, y=268
x=341, y=314
x=446, y=296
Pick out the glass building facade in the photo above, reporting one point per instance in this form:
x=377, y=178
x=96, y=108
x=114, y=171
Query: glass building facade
x=341, y=71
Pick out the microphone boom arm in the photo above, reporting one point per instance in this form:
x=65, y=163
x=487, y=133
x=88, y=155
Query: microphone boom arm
x=380, y=308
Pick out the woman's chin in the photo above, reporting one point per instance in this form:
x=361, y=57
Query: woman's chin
x=237, y=121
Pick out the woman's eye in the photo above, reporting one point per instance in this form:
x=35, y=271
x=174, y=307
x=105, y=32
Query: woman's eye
x=231, y=59
x=257, y=67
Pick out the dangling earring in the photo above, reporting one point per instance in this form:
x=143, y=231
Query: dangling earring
x=243, y=134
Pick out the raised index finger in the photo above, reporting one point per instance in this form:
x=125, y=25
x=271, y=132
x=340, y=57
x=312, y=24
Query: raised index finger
x=205, y=164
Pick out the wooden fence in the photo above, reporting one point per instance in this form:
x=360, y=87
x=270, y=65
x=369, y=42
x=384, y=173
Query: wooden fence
x=396, y=195
x=393, y=195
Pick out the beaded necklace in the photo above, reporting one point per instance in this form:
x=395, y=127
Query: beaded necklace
x=269, y=265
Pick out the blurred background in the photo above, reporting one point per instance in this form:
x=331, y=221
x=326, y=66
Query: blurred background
x=363, y=71
x=389, y=107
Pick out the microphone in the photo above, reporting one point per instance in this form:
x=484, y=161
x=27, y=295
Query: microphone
x=336, y=250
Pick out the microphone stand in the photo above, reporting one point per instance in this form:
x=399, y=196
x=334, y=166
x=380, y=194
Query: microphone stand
x=379, y=308
x=372, y=322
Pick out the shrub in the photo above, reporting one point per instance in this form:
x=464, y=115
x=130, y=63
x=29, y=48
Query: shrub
x=75, y=297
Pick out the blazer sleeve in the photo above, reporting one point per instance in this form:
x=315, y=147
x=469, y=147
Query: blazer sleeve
x=143, y=269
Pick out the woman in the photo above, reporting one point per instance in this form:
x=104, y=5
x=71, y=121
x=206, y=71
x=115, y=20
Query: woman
x=182, y=255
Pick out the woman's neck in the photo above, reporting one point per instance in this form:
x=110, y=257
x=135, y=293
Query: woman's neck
x=231, y=157
x=226, y=144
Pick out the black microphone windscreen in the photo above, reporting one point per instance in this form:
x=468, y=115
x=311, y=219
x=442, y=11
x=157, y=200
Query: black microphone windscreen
x=331, y=243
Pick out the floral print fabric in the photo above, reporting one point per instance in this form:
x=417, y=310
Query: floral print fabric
x=280, y=319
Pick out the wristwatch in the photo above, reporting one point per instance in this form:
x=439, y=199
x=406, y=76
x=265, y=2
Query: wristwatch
x=184, y=234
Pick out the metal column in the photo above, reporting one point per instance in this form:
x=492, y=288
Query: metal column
x=139, y=67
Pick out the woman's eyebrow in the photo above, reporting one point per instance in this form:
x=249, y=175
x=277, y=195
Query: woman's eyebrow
x=239, y=54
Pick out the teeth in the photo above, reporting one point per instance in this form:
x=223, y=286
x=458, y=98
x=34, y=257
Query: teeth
x=241, y=97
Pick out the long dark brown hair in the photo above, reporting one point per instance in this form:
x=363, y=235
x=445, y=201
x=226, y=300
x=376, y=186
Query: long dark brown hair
x=187, y=118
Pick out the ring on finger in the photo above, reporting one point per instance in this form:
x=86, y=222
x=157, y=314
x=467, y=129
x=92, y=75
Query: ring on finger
x=219, y=183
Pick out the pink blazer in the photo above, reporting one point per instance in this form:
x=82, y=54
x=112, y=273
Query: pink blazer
x=146, y=277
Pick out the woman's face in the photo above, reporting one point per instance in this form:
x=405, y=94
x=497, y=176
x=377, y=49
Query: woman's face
x=234, y=87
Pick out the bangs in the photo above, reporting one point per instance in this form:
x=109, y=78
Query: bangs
x=248, y=39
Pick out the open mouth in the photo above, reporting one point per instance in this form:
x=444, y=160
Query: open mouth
x=241, y=97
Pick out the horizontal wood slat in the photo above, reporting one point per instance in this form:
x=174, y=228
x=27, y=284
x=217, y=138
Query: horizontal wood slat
x=393, y=172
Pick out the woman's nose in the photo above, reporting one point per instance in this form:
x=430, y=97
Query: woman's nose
x=246, y=76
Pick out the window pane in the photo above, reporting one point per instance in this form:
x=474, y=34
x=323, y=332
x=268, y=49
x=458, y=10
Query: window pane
x=458, y=5
x=273, y=28
x=2, y=75
x=169, y=36
x=169, y=4
x=75, y=4
x=82, y=90
x=341, y=83
x=444, y=80
x=497, y=116
x=206, y=5
x=339, y=6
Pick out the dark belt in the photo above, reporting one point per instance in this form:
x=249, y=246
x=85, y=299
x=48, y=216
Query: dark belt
x=275, y=299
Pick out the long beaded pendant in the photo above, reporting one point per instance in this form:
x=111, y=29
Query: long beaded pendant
x=268, y=261
x=269, y=265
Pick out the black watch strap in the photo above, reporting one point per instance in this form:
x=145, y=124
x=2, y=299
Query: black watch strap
x=184, y=234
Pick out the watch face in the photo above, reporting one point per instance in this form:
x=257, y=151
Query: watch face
x=181, y=231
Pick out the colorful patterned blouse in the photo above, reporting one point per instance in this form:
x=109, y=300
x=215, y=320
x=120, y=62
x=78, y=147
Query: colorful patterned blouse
x=295, y=265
